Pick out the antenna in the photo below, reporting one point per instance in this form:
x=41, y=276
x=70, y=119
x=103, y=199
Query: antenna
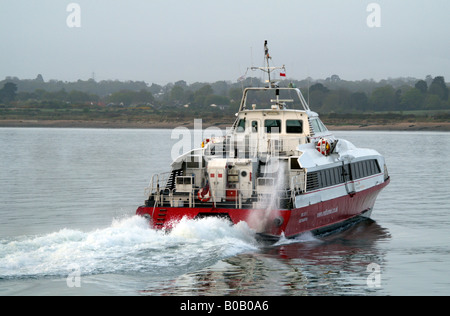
x=308, y=90
x=267, y=68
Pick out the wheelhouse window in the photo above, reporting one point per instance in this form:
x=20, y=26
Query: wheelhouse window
x=240, y=128
x=255, y=126
x=294, y=126
x=272, y=126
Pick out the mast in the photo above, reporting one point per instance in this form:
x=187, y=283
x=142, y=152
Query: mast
x=267, y=57
x=272, y=85
x=267, y=68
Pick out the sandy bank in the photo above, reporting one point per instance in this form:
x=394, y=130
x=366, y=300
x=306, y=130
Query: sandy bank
x=402, y=126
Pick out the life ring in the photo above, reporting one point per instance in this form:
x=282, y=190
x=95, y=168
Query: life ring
x=323, y=146
x=203, y=194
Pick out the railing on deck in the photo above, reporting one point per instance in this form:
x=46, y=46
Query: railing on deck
x=249, y=146
x=161, y=195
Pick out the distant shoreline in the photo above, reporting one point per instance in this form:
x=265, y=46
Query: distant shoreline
x=400, y=126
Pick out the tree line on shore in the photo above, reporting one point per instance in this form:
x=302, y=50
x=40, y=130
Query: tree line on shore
x=331, y=95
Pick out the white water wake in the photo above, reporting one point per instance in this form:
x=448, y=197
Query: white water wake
x=128, y=245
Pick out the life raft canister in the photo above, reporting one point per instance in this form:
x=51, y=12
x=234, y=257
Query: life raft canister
x=323, y=146
x=203, y=194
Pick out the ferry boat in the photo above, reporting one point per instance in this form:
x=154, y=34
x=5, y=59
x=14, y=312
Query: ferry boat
x=278, y=168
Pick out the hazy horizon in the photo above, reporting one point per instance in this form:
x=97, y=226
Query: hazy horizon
x=163, y=41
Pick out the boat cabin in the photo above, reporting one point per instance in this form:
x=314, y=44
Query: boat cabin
x=278, y=126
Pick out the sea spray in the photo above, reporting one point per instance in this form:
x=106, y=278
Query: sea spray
x=306, y=237
x=212, y=228
x=268, y=205
x=128, y=245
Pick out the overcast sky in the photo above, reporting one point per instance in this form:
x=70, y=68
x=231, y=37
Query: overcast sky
x=165, y=41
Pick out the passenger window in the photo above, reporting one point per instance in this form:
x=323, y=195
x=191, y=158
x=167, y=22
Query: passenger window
x=317, y=125
x=294, y=163
x=322, y=126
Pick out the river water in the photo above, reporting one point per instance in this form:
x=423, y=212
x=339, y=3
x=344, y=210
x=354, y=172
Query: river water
x=67, y=224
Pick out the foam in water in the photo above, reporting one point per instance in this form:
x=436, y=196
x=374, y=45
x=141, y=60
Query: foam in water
x=212, y=228
x=128, y=245
x=304, y=237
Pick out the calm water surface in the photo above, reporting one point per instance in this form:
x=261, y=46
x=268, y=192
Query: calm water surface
x=67, y=203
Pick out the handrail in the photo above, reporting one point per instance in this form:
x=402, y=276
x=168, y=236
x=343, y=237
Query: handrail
x=247, y=145
x=244, y=197
x=156, y=184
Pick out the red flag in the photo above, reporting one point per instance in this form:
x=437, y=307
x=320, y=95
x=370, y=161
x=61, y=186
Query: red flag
x=282, y=74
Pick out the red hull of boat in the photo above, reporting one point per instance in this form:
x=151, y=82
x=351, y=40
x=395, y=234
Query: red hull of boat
x=317, y=217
